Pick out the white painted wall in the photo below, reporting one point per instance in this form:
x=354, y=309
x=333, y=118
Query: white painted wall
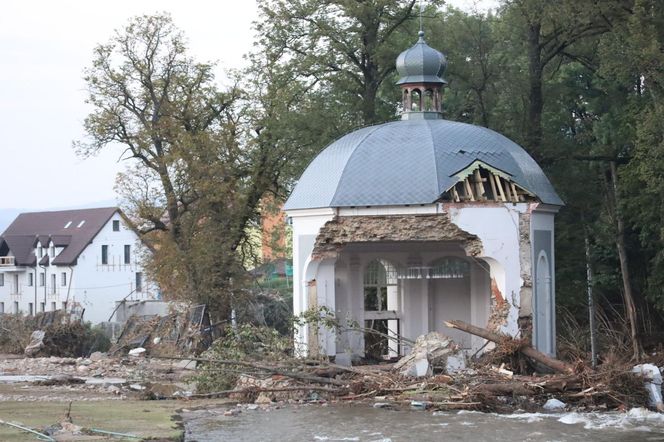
x=497, y=226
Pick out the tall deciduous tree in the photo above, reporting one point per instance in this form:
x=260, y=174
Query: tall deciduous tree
x=198, y=168
x=348, y=45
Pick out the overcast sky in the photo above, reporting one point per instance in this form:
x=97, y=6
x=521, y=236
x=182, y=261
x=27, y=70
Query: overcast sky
x=44, y=47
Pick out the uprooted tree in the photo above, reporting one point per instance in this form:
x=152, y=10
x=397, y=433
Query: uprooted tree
x=199, y=163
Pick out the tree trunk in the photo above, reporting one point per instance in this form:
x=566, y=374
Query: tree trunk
x=555, y=364
x=630, y=307
x=591, y=303
x=536, y=105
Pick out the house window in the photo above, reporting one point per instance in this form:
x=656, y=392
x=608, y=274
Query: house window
x=52, y=249
x=54, y=306
x=42, y=279
x=64, y=305
x=53, y=283
x=2, y=279
x=2, y=307
x=30, y=309
x=80, y=224
x=42, y=307
x=104, y=254
x=139, y=281
x=16, y=310
x=116, y=225
x=127, y=254
x=31, y=279
x=16, y=287
x=67, y=225
x=63, y=280
x=40, y=251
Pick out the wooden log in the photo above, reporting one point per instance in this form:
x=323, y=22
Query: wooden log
x=554, y=364
x=267, y=368
x=507, y=389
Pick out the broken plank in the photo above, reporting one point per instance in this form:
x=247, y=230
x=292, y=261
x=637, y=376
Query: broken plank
x=500, y=188
x=469, y=189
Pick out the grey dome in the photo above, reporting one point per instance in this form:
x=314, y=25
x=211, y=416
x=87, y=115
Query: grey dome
x=410, y=162
x=421, y=64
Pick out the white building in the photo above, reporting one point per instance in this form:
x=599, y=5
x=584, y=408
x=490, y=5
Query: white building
x=401, y=226
x=87, y=258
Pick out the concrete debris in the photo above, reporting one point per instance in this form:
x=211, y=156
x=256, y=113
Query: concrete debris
x=183, y=332
x=653, y=383
x=59, y=379
x=430, y=354
x=36, y=343
x=554, y=405
x=340, y=231
x=139, y=351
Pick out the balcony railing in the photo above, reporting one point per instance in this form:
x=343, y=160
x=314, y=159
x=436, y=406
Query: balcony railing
x=7, y=261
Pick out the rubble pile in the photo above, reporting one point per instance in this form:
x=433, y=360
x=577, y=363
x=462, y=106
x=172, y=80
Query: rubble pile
x=437, y=376
x=99, y=374
x=179, y=333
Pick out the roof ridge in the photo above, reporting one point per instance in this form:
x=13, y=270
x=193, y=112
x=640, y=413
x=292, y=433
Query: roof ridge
x=350, y=157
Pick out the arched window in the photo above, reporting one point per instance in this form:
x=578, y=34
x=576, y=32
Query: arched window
x=416, y=100
x=428, y=101
x=378, y=275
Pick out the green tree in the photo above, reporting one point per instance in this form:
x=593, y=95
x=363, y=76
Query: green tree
x=198, y=166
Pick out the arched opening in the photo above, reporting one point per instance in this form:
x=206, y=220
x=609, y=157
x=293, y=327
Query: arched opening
x=380, y=287
x=450, y=289
x=428, y=101
x=543, y=305
x=415, y=100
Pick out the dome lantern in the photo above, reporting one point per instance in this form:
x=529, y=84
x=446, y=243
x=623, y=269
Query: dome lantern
x=421, y=71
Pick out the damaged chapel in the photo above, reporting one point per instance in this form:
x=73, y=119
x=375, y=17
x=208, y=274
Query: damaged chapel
x=401, y=226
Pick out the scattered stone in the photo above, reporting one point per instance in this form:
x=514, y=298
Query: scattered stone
x=98, y=356
x=60, y=380
x=137, y=387
x=138, y=351
x=554, y=405
x=252, y=407
x=382, y=405
x=186, y=364
x=82, y=369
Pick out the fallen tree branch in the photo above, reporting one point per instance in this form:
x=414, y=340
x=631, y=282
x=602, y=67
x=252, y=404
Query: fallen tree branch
x=267, y=368
x=263, y=390
x=554, y=364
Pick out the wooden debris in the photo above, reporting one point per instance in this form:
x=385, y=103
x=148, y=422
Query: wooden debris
x=554, y=364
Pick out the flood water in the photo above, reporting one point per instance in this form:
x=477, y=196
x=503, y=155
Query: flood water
x=364, y=423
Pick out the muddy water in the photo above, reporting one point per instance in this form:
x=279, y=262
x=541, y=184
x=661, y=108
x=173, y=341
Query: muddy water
x=363, y=423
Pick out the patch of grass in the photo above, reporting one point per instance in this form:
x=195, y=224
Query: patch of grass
x=149, y=420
